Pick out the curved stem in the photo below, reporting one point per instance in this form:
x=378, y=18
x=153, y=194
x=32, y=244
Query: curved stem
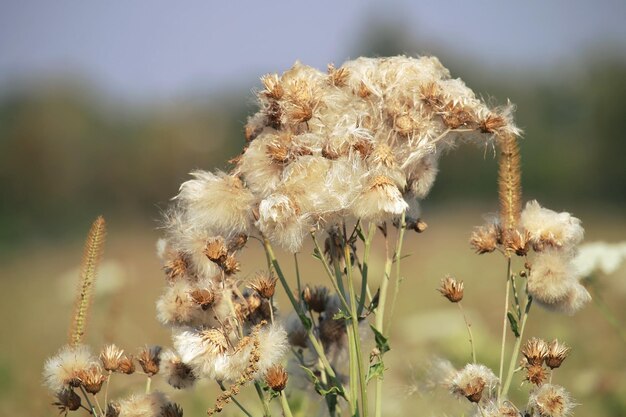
x=469, y=330
x=91, y=407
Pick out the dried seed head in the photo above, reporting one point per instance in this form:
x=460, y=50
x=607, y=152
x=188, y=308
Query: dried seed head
x=519, y=242
x=472, y=381
x=492, y=123
x=67, y=400
x=455, y=116
x=315, y=298
x=557, y=352
x=337, y=76
x=171, y=410
x=451, y=289
x=551, y=401
x=535, y=351
x=536, y=374
x=177, y=267
x=215, y=340
x=126, y=365
x=203, y=297
x=276, y=377
x=110, y=357
x=484, y=239
x=331, y=331
x=149, y=359
x=264, y=285
x=273, y=86
x=91, y=379
x=363, y=91
x=216, y=250
x=113, y=409
x=230, y=265
x=418, y=225
x=364, y=147
x=237, y=242
x=178, y=374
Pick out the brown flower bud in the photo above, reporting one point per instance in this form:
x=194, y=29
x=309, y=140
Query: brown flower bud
x=91, y=379
x=276, y=377
x=126, y=365
x=149, y=359
x=264, y=285
x=451, y=289
x=315, y=298
x=535, y=351
x=557, y=352
x=216, y=250
x=68, y=400
x=536, y=374
x=203, y=297
x=484, y=239
x=110, y=357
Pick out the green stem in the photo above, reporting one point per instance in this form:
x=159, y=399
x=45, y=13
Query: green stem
x=306, y=322
x=106, y=390
x=329, y=272
x=266, y=406
x=355, y=331
x=285, y=405
x=397, y=256
x=91, y=407
x=516, y=348
x=298, y=282
x=366, y=256
x=504, y=322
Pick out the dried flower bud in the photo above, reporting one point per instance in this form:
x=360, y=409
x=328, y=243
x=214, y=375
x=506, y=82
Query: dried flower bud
x=276, y=378
x=315, y=298
x=418, y=225
x=264, y=285
x=557, y=352
x=536, y=374
x=149, y=359
x=451, y=289
x=551, y=401
x=216, y=250
x=215, y=340
x=519, y=242
x=91, y=379
x=177, y=267
x=126, y=365
x=491, y=123
x=535, y=351
x=68, y=400
x=484, y=239
x=203, y=297
x=110, y=357
x=230, y=265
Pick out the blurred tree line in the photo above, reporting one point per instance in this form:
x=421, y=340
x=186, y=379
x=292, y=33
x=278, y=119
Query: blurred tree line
x=68, y=153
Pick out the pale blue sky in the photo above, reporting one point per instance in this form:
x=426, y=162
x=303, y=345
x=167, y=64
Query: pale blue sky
x=155, y=49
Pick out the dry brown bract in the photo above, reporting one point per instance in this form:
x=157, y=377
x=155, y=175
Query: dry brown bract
x=451, y=289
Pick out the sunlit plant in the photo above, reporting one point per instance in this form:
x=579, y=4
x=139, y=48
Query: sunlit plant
x=338, y=160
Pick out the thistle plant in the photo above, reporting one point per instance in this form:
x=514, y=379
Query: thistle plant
x=337, y=162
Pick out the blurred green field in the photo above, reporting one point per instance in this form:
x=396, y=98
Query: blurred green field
x=37, y=289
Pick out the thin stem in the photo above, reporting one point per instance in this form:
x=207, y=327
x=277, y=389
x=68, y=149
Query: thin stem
x=237, y=403
x=469, y=331
x=285, y=405
x=515, y=353
x=354, y=389
x=380, y=315
x=504, y=322
x=106, y=389
x=266, y=406
x=298, y=282
x=91, y=407
x=366, y=257
x=301, y=314
x=148, y=383
x=355, y=330
x=95, y=397
x=397, y=256
x=329, y=272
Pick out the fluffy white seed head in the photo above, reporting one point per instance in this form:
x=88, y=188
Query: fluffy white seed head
x=62, y=369
x=546, y=225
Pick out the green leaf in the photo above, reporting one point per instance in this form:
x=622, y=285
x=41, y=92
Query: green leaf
x=360, y=234
x=341, y=315
x=381, y=341
x=375, y=371
x=319, y=387
x=513, y=323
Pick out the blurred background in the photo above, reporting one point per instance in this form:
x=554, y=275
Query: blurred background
x=106, y=107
